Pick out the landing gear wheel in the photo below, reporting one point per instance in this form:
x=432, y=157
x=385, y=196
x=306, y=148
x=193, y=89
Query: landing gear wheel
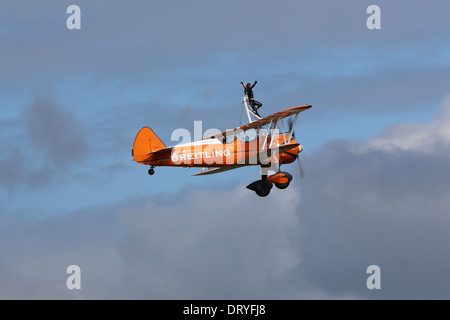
x=262, y=188
x=286, y=184
x=151, y=171
x=282, y=185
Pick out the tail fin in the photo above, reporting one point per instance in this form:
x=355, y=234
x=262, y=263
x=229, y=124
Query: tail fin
x=145, y=143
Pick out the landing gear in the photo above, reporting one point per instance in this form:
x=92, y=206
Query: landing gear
x=282, y=185
x=286, y=184
x=151, y=171
x=261, y=187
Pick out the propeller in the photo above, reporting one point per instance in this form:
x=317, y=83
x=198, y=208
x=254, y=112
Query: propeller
x=300, y=167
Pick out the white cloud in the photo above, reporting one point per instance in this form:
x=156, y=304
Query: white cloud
x=426, y=138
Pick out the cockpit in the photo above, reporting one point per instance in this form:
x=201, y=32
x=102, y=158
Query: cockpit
x=247, y=135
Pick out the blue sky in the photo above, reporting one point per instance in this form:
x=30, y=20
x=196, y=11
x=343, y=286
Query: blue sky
x=72, y=102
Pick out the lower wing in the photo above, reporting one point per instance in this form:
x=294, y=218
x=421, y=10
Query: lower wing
x=218, y=170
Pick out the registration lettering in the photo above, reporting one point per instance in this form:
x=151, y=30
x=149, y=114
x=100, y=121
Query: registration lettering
x=200, y=155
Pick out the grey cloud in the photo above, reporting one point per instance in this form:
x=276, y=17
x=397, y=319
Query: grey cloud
x=55, y=132
x=204, y=246
x=45, y=141
x=387, y=91
x=151, y=38
x=383, y=202
x=376, y=208
x=16, y=171
x=210, y=247
x=313, y=240
x=357, y=206
x=43, y=248
x=11, y=168
x=177, y=55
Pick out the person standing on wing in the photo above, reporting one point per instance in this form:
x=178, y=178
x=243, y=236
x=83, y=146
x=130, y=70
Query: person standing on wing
x=249, y=93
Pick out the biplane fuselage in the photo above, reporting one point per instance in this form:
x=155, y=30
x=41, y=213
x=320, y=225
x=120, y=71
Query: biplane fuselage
x=256, y=143
x=213, y=153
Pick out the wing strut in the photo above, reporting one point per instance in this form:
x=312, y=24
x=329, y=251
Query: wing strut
x=292, y=129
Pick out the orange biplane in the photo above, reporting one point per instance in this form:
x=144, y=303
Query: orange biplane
x=263, y=141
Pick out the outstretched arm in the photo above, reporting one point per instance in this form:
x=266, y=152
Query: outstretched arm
x=243, y=84
x=254, y=84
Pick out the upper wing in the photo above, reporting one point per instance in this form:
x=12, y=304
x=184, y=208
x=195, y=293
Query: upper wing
x=278, y=115
x=217, y=170
x=261, y=122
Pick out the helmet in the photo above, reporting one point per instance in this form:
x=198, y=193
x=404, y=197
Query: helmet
x=249, y=84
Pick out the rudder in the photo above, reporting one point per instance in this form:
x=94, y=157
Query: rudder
x=145, y=143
